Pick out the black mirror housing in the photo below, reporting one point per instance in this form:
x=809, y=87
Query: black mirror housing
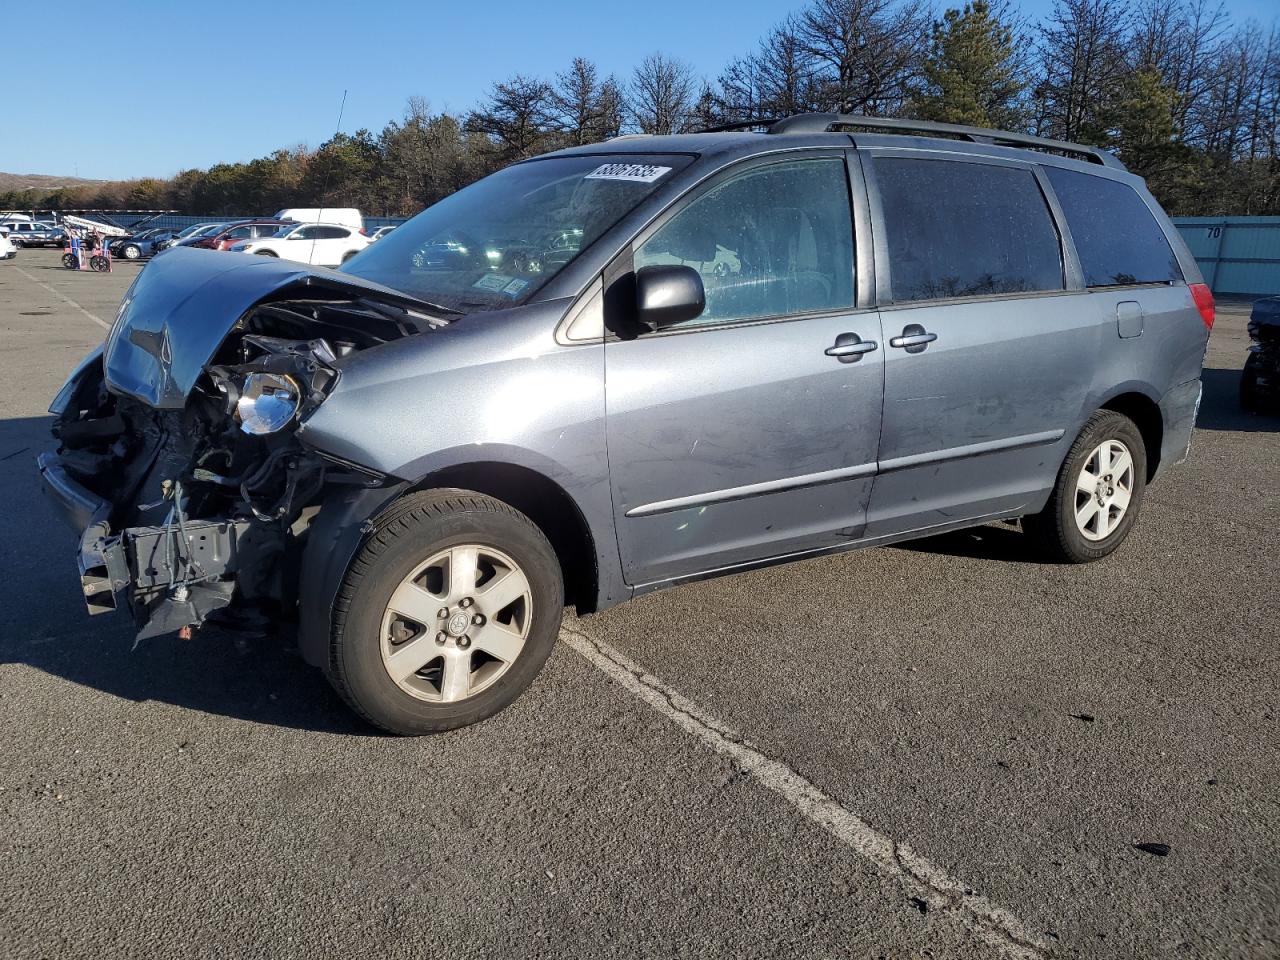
x=667, y=294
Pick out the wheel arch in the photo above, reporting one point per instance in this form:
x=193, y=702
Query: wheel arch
x=547, y=504
x=1144, y=410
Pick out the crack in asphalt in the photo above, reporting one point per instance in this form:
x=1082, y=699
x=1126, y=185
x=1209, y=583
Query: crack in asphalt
x=920, y=879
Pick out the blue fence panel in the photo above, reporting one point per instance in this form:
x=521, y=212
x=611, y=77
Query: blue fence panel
x=1237, y=255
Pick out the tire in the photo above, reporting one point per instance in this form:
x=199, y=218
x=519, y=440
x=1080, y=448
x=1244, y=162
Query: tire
x=69, y=261
x=267, y=253
x=1056, y=531
x=348, y=255
x=1249, y=385
x=99, y=264
x=17, y=244
x=393, y=572
x=131, y=252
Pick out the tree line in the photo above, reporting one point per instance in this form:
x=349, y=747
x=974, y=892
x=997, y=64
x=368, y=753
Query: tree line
x=1186, y=97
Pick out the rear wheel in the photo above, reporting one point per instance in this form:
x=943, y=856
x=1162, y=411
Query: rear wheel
x=446, y=614
x=17, y=244
x=1099, y=490
x=69, y=261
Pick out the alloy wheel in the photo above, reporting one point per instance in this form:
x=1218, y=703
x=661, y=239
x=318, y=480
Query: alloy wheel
x=456, y=623
x=1104, y=488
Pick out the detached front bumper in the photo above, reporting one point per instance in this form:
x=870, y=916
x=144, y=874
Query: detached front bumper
x=169, y=576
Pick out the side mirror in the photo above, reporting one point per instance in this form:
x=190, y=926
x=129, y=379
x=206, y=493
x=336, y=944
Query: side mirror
x=668, y=294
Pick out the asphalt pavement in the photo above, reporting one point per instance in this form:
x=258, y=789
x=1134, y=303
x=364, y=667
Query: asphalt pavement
x=944, y=749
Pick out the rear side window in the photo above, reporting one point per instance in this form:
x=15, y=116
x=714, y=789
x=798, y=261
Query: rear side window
x=1116, y=237
x=773, y=241
x=957, y=229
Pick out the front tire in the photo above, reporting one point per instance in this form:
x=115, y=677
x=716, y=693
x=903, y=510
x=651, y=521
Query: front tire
x=267, y=253
x=1098, y=493
x=447, y=613
x=131, y=252
x=1249, y=399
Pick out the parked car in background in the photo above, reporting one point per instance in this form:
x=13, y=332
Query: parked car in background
x=7, y=250
x=34, y=233
x=140, y=245
x=234, y=232
x=346, y=216
x=1260, y=379
x=197, y=234
x=322, y=244
x=196, y=229
x=380, y=233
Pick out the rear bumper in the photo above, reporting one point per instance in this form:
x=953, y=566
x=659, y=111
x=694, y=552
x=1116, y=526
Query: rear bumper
x=1178, y=409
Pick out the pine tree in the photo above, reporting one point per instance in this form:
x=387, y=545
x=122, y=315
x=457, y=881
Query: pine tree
x=971, y=73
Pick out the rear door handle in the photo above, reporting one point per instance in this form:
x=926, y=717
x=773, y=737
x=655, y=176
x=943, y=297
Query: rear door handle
x=849, y=348
x=914, y=338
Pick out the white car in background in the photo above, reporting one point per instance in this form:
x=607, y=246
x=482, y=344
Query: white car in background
x=319, y=244
x=7, y=250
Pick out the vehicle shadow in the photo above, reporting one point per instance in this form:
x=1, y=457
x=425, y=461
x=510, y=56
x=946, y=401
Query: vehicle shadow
x=44, y=624
x=1220, y=406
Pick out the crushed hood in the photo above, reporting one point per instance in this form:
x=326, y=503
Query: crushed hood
x=185, y=302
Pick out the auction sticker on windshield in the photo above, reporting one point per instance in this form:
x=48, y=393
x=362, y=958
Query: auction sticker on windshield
x=639, y=172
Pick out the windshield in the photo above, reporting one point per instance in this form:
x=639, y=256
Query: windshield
x=494, y=243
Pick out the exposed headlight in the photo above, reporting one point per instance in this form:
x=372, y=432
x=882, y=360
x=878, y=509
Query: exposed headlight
x=268, y=402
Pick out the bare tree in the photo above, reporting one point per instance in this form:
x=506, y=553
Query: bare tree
x=518, y=116
x=662, y=95
x=1082, y=52
x=864, y=54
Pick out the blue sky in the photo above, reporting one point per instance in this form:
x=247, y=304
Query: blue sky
x=197, y=83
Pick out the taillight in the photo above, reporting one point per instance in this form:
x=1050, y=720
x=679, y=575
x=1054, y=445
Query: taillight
x=1203, y=297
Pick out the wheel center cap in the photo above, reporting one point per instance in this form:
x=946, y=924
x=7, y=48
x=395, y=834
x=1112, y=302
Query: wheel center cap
x=458, y=623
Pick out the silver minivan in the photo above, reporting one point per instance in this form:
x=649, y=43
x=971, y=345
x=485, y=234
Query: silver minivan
x=621, y=367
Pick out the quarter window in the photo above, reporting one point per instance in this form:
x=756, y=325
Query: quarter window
x=1116, y=237
x=770, y=242
x=957, y=229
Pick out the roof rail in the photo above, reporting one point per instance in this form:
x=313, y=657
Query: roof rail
x=823, y=122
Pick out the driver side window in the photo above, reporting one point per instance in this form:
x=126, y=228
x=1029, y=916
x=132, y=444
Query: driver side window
x=774, y=241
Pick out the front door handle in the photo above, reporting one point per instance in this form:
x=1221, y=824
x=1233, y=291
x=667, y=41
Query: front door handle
x=849, y=348
x=914, y=338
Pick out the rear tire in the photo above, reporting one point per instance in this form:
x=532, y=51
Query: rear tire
x=417, y=643
x=1098, y=493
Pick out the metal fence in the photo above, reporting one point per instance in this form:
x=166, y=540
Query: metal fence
x=1237, y=255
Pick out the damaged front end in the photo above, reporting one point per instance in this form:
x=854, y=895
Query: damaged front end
x=185, y=475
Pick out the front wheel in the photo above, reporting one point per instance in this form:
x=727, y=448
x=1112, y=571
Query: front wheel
x=131, y=251
x=69, y=261
x=267, y=253
x=1099, y=490
x=446, y=614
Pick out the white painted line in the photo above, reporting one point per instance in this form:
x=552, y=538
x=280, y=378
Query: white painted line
x=919, y=878
x=62, y=296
